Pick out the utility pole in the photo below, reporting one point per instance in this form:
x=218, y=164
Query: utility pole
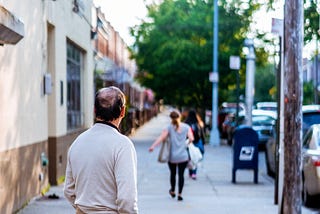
x=250, y=70
x=214, y=134
x=316, y=96
x=292, y=88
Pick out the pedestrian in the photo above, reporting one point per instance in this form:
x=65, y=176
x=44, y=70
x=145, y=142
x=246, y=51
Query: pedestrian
x=197, y=127
x=101, y=173
x=177, y=132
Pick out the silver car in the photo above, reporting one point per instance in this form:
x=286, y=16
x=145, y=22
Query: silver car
x=263, y=122
x=310, y=116
x=311, y=164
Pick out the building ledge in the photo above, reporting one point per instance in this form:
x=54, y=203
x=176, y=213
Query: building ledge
x=11, y=28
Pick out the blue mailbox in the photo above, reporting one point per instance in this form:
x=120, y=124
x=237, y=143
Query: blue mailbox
x=245, y=151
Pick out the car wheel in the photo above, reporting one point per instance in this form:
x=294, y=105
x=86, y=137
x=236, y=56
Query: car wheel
x=269, y=171
x=306, y=198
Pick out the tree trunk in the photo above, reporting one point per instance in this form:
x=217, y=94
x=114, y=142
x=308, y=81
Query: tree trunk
x=293, y=43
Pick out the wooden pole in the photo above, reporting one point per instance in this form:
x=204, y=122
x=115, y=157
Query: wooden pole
x=293, y=44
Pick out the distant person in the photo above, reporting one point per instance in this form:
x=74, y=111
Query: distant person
x=229, y=123
x=177, y=132
x=101, y=174
x=197, y=127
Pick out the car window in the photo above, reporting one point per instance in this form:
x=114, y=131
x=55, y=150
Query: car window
x=231, y=109
x=318, y=139
x=268, y=108
x=306, y=139
x=310, y=119
x=262, y=120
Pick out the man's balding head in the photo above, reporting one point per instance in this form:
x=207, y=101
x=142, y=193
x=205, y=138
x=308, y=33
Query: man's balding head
x=108, y=103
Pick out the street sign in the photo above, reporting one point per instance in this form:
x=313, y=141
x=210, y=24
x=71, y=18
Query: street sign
x=234, y=62
x=277, y=26
x=213, y=77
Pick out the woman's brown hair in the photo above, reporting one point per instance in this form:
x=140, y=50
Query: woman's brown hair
x=174, y=115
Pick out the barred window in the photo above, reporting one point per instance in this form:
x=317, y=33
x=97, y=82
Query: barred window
x=74, y=62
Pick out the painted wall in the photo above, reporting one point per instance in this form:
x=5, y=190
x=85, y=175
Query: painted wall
x=31, y=121
x=27, y=115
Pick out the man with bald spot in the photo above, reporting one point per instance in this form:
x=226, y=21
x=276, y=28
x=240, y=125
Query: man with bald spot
x=101, y=174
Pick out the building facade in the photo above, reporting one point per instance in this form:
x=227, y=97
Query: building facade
x=46, y=95
x=113, y=66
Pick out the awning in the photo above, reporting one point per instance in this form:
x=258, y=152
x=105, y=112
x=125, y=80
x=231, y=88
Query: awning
x=11, y=28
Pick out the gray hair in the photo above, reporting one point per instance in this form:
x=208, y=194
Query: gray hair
x=108, y=103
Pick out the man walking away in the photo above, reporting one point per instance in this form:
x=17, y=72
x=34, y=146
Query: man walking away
x=101, y=173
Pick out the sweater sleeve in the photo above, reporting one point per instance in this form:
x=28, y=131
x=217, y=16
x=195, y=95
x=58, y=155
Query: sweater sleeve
x=69, y=186
x=126, y=179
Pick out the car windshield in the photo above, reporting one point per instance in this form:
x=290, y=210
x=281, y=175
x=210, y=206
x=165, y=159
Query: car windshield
x=262, y=120
x=311, y=118
x=268, y=108
x=231, y=109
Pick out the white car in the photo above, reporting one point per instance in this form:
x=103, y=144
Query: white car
x=271, y=106
x=311, y=164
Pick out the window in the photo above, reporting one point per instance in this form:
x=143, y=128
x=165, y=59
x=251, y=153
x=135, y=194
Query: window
x=74, y=62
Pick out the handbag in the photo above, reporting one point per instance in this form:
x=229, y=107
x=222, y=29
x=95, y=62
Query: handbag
x=164, y=153
x=195, y=156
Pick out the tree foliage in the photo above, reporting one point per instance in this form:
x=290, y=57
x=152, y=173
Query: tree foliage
x=311, y=21
x=265, y=84
x=308, y=92
x=173, y=49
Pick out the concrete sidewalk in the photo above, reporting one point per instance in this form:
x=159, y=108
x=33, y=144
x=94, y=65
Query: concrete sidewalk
x=212, y=192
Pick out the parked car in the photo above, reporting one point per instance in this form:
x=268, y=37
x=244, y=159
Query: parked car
x=270, y=153
x=225, y=110
x=270, y=106
x=311, y=164
x=310, y=116
x=263, y=122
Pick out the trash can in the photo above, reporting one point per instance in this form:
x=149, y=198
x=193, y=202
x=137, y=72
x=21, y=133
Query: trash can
x=245, y=151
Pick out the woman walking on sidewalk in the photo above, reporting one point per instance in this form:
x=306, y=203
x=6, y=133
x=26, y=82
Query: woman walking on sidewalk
x=197, y=127
x=177, y=132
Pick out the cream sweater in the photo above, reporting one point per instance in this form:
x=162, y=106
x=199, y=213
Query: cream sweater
x=101, y=174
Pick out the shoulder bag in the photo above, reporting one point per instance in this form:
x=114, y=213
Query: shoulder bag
x=164, y=152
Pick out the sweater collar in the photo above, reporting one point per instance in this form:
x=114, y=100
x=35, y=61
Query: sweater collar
x=108, y=124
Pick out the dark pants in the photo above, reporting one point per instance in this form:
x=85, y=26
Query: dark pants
x=173, y=171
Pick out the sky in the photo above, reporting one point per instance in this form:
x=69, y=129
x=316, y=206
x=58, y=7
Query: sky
x=123, y=14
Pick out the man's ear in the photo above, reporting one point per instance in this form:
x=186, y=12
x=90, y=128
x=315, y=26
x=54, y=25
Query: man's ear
x=123, y=112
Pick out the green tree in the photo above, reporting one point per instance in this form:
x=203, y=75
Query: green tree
x=173, y=49
x=265, y=82
x=311, y=34
x=308, y=92
x=311, y=21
